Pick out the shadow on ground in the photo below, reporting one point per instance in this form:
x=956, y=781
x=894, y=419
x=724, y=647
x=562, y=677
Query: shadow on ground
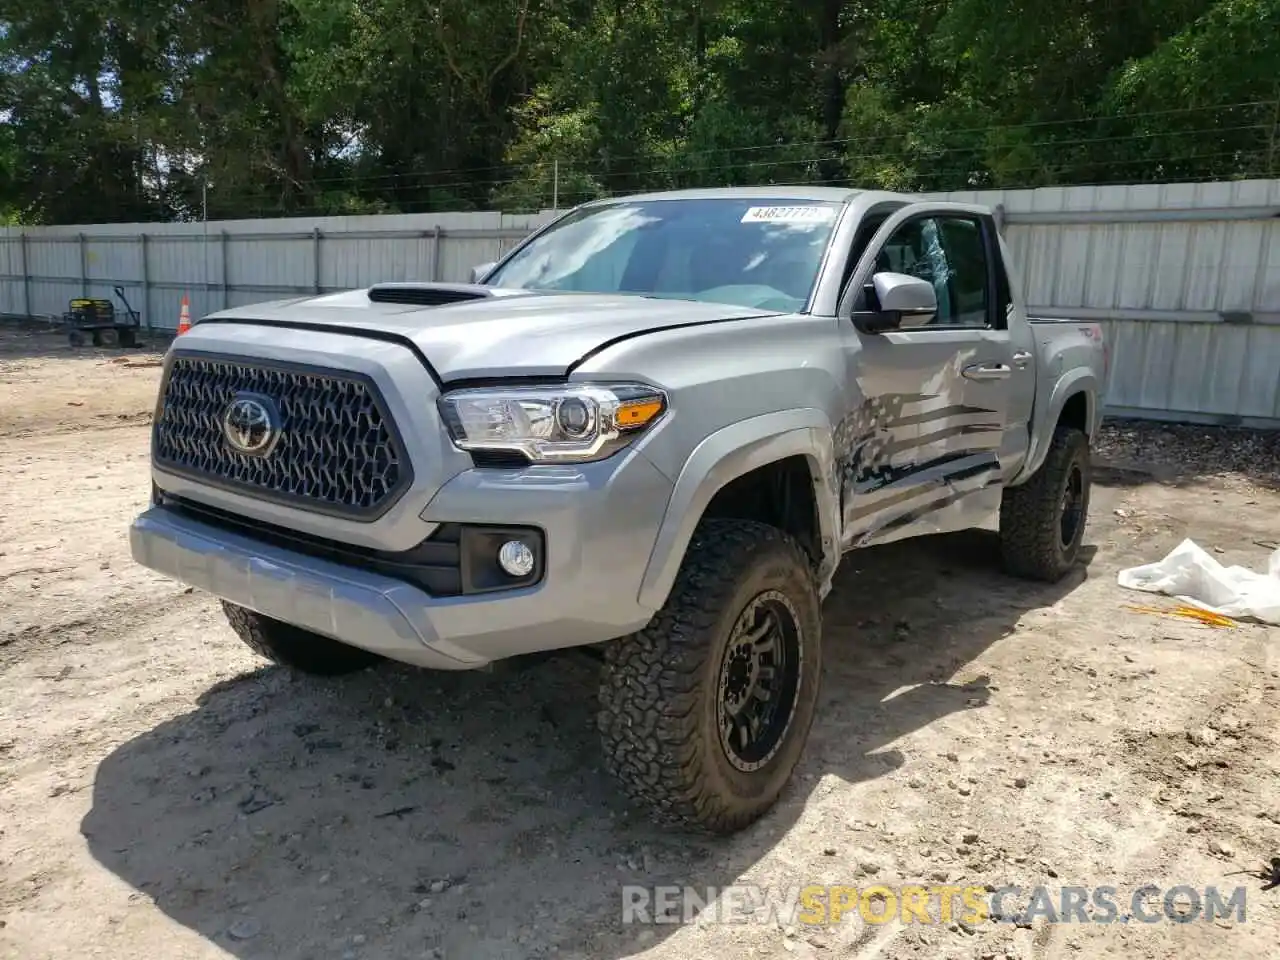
x=398, y=813
x=42, y=340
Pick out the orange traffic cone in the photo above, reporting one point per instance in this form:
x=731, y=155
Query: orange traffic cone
x=184, y=316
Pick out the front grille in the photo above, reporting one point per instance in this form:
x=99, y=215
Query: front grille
x=337, y=451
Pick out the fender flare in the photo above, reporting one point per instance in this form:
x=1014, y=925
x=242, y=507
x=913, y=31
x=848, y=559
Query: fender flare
x=724, y=456
x=1078, y=381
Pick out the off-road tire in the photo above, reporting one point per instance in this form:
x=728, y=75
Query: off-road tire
x=1031, y=515
x=660, y=688
x=294, y=647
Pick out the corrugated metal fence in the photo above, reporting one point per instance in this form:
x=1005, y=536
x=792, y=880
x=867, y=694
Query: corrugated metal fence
x=1186, y=277
x=234, y=262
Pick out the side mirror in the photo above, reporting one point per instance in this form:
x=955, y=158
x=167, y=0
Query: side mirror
x=481, y=270
x=903, y=302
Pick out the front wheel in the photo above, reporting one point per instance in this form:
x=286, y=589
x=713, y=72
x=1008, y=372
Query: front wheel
x=704, y=714
x=1042, y=521
x=291, y=646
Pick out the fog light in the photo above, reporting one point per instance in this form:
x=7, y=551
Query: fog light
x=516, y=558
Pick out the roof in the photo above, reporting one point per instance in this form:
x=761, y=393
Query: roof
x=814, y=193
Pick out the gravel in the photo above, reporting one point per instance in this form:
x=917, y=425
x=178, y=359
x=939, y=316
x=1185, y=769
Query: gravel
x=1194, y=451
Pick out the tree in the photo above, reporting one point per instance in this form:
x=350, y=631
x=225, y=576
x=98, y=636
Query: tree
x=153, y=109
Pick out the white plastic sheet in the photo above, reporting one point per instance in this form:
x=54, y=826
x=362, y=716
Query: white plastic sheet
x=1193, y=576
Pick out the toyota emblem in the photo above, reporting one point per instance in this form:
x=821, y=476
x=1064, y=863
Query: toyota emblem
x=251, y=424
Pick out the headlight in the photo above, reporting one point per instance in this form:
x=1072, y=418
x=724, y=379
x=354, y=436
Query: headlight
x=566, y=423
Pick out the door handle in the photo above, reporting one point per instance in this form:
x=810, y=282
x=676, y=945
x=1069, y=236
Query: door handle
x=1021, y=359
x=987, y=371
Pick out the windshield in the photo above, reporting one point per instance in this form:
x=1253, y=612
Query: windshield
x=753, y=252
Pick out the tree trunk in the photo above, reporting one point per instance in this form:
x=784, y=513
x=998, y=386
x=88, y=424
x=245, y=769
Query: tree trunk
x=832, y=87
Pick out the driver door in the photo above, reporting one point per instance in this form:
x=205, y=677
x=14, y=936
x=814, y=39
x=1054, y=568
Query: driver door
x=927, y=403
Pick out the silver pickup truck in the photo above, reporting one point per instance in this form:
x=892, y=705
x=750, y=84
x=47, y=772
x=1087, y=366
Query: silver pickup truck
x=650, y=432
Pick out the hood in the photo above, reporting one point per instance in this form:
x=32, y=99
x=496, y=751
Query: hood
x=507, y=333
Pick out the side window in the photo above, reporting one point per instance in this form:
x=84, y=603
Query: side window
x=967, y=255
x=866, y=230
x=950, y=253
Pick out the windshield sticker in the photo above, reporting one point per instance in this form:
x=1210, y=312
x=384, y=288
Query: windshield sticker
x=788, y=215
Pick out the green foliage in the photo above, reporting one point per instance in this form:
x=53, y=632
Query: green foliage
x=171, y=109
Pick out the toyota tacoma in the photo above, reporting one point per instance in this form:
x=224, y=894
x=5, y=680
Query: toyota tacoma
x=650, y=432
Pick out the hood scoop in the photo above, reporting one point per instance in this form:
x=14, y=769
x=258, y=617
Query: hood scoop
x=427, y=294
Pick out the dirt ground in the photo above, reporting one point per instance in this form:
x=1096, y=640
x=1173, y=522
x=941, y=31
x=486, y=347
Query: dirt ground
x=165, y=793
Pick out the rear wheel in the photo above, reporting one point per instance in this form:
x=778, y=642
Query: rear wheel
x=291, y=646
x=108, y=337
x=705, y=713
x=1042, y=521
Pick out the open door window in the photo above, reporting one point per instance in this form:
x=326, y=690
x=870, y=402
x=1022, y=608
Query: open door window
x=942, y=247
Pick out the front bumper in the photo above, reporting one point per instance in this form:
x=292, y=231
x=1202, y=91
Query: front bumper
x=599, y=520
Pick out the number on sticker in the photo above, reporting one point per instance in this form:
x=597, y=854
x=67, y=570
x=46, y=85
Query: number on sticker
x=788, y=215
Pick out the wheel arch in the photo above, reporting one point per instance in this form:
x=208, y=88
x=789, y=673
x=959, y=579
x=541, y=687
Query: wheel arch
x=774, y=441
x=1074, y=402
